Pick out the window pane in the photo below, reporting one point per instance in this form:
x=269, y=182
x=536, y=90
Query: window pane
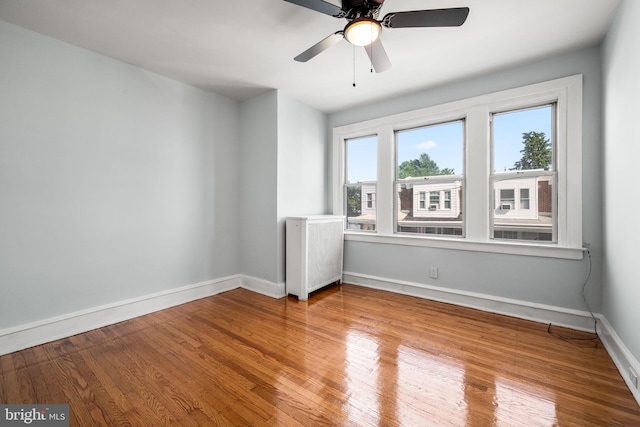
x=362, y=159
x=522, y=140
x=524, y=178
x=429, y=179
x=361, y=185
x=431, y=150
x=524, y=198
x=529, y=216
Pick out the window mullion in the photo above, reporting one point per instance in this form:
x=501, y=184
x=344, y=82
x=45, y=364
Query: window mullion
x=386, y=174
x=477, y=155
x=569, y=135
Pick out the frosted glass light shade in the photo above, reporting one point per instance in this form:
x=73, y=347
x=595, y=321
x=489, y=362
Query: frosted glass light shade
x=362, y=32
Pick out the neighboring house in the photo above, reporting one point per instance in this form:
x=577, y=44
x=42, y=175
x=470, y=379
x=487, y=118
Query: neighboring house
x=522, y=207
x=431, y=206
x=424, y=207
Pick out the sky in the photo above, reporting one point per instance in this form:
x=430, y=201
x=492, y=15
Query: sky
x=444, y=143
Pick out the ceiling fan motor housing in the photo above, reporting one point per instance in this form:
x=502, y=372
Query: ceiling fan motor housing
x=355, y=9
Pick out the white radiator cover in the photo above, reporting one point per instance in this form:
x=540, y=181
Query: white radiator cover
x=314, y=253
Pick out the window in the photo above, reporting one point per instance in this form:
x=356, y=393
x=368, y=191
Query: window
x=507, y=199
x=434, y=199
x=500, y=172
x=523, y=164
x=370, y=200
x=429, y=161
x=524, y=198
x=360, y=186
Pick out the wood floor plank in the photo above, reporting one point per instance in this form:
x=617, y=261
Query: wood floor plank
x=11, y=390
x=135, y=361
x=350, y=356
x=120, y=406
x=220, y=394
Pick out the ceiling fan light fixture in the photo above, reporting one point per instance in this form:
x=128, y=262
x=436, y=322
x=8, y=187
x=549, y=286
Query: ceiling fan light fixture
x=362, y=32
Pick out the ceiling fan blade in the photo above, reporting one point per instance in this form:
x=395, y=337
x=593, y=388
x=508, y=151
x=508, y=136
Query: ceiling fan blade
x=453, y=17
x=319, y=6
x=378, y=56
x=319, y=47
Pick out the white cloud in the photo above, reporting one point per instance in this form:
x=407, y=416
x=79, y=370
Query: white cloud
x=427, y=145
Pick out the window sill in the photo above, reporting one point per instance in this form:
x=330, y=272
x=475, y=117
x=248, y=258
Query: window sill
x=462, y=244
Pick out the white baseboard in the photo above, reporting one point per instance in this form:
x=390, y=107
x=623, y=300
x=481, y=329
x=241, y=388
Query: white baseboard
x=264, y=287
x=46, y=330
x=575, y=319
x=620, y=354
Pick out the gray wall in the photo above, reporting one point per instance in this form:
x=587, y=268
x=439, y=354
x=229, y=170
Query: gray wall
x=302, y=166
x=114, y=182
x=549, y=281
x=258, y=186
x=284, y=172
x=117, y=183
x=621, y=292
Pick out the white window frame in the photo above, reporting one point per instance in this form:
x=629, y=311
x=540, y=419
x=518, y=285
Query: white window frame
x=476, y=112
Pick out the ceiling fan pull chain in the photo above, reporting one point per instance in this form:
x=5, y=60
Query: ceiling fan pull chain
x=371, y=57
x=354, y=65
x=371, y=47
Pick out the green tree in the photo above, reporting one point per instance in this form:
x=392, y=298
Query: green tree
x=422, y=166
x=354, y=203
x=536, y=153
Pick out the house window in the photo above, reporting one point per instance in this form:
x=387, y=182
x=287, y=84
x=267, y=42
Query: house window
x=507, y=199
x=360, y=185
x=502, y=166
x=523, y=162
x=524, y=198
x=370, y=200
x=429, y=166
x=434, y=199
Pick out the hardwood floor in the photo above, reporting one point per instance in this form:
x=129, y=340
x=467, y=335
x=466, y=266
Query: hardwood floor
x=350, y=356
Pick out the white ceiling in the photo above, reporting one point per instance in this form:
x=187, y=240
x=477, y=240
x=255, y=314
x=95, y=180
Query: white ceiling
x=243, y=48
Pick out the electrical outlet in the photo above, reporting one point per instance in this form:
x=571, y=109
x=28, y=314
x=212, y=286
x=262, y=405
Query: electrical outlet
x=633, y=376
x=433, y=272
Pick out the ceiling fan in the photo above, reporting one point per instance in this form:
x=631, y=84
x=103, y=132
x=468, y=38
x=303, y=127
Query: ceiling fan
x=364, y=28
